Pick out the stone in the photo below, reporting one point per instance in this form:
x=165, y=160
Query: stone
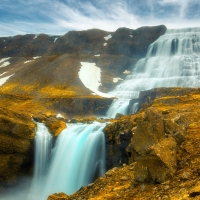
x=149, y=131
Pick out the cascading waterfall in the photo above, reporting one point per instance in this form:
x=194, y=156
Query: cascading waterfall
x=43, y=145
x=77, y=159
x=173, y=60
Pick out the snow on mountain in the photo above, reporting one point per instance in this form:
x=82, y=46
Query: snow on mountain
x=90, y=76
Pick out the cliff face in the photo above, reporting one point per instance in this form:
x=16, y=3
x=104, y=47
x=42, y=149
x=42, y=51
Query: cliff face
x=163, y=152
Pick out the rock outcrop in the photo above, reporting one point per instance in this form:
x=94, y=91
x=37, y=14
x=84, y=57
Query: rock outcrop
x=16, y=146
x=163, y=152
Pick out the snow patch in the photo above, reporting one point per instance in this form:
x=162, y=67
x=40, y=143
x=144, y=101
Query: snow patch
x=131, y=35
x=3, y=80
x=126, y=72
x=59, y=116
x=28, y=61
x=90, y=75
x=36, y=57
x=5, y=47
x=108, y=37
x=104, y=44
x=115, y=80
x=4, y=59
x=4, y=40
x=97, y=55
x=3, y=73
x=4, y=62
x=55, y=39
x=36, y=35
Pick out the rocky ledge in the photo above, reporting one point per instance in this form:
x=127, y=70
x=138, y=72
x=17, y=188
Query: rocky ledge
x=162, y=154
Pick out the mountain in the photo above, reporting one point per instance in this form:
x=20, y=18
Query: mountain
x=46, y=68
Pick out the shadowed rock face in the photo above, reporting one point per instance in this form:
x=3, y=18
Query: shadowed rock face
x=164, y=148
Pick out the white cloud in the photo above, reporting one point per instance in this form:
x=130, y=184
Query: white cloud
x=183, y=5
x=56, y=17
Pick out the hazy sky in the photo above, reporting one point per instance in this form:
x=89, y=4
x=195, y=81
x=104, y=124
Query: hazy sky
x=60, y=16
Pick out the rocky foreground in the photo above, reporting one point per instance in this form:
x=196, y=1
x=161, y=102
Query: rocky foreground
x=163, y=153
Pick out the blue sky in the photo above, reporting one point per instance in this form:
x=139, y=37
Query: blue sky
x=56, y=17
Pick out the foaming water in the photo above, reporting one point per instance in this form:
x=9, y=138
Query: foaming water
x=173, y=60
x=43, y=146
x=77, y=159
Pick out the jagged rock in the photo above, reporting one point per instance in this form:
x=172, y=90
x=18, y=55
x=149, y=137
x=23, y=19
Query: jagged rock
x=59, y=196
x=73, y=120
x=55, y=126
x=149, y=131
x=118, y=116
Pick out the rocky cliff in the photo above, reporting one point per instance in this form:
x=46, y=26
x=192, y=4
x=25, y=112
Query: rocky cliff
x=160, y=144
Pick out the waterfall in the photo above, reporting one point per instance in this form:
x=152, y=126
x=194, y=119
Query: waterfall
x=77, y=159
x=43, y=145
x=173, y=60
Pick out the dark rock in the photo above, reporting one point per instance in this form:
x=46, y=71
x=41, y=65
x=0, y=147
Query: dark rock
x=118, y=116
x=73, y=120
x=133, y=42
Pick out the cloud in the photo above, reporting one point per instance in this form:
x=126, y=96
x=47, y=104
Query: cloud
x=182, y=4
x=60, y=16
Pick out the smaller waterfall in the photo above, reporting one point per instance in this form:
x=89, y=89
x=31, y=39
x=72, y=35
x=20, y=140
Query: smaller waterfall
x=43, y=145
x=77, y=159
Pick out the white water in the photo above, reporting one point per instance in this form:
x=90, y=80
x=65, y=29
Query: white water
x=43, y=145
x=77, y=159
x=173, y=60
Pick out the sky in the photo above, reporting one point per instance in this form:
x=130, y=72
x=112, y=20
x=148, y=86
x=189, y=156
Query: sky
x=56, y=17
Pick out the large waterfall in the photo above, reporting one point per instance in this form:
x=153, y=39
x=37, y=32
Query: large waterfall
x=173, y=60
x=77, y=159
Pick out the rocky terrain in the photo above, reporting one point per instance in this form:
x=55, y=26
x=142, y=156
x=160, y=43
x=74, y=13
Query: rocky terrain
x=162, y=153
